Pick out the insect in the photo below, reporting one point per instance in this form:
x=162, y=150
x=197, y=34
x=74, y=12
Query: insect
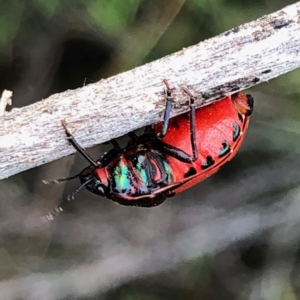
x=168, y=157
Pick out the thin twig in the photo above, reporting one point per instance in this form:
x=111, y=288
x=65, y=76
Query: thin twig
x=235, y=60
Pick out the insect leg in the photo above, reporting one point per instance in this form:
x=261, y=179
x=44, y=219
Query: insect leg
x=60, y=180
x=192, y=124
x=168, y=110
x=132, y=136
x=58, y=209
x=148, y=128
x=114, y=143
x=74, y=143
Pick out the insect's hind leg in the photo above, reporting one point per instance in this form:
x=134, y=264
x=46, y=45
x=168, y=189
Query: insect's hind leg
x=192, y=124
x=168, y=109
x=148, y=128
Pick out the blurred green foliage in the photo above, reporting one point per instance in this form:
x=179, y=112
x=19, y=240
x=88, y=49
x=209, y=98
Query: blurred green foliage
x=10, y=19
x=49, y=8
x=114, y=16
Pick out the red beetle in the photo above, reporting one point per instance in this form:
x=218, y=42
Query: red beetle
x=168, y=157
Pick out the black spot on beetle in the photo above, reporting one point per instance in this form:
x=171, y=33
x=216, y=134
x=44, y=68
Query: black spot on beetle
x=225, y=149
x=240, y=118
x=266, y=71
x=191, y=171
x=256, y=79
x=208, y=163
x=236, y=131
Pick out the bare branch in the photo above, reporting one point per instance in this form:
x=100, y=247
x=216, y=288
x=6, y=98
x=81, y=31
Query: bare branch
x=235, y=60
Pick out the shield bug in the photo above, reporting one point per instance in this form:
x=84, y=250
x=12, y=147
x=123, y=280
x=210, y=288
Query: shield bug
x=168, y=157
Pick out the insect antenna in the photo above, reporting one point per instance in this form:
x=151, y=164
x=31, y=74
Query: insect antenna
x=50, y=216
x=60, y=180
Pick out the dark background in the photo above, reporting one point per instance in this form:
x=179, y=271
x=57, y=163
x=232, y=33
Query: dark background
x=234, y=236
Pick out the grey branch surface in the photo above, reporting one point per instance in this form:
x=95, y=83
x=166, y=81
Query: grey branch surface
x=235, y=60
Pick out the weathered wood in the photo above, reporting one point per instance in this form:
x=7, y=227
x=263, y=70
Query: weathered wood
x=240, y=58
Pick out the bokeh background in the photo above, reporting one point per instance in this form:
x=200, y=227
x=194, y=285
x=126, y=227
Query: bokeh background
x=234, y=236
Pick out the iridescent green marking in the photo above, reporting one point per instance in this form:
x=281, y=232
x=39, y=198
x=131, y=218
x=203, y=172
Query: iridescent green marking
x=121, y=176
x=168, y=171
x=141, y=170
